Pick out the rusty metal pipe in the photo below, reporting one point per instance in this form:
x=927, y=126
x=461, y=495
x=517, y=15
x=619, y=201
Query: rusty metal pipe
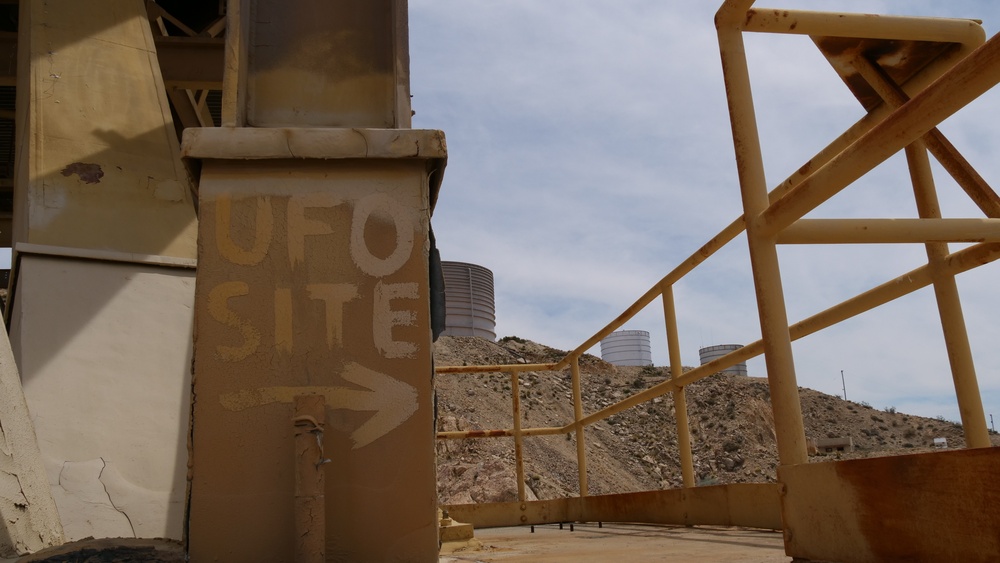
x=515, y=394
x=853, y=231
x=865, y=26
x=310, y=479
x=680, y=401
x=789, y=429
x=956, y=337
x=581, y=446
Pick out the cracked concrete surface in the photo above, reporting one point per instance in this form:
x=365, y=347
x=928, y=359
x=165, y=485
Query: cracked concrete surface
x=110, y=404
x=28, y=517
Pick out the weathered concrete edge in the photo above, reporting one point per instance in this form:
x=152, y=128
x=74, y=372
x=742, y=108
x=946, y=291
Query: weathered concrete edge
x=105, y=255
x=249, y=143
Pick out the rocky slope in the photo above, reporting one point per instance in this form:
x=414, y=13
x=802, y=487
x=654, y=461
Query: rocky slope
x=730, y=419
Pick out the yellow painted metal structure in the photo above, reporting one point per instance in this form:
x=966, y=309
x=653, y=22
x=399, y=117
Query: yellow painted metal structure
x=909, y=73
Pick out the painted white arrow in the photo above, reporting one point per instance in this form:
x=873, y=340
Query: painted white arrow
x=392, y=400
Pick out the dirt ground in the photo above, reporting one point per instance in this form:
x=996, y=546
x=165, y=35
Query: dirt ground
x=624, y=542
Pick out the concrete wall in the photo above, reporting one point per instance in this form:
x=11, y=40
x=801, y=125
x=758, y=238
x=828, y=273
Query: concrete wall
x=98, y=161
x=104, y=350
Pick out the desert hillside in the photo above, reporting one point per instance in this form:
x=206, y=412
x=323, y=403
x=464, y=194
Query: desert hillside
x=730, y=419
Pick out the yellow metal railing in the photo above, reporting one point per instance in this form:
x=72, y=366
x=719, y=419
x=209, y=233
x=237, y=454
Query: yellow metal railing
x=947, y=82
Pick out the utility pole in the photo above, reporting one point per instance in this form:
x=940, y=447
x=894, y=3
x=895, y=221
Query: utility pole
x=844, y=383
x=994, y=428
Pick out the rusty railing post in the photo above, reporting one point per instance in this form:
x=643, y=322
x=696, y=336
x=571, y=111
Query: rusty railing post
x=310, y=481
x=581, y=446
x=680, y=401
x=515, y=393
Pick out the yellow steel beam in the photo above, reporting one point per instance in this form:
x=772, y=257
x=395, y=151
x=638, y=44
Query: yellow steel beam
x=865, y=26
x=852, y=231
x=763, y=250
x=965, y=82
x=953, y=162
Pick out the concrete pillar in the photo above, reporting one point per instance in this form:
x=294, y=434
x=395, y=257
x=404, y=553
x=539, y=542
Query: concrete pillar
x=104, y=241
x=313, y=279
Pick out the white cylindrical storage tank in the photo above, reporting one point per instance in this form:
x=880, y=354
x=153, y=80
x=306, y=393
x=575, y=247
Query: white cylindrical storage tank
x=470, y=309
x=627, y=348
x=709, y=353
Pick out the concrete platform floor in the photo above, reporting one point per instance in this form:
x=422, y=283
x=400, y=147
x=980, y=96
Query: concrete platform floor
x=624, y=542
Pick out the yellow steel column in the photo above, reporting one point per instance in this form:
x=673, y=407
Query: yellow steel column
x=515, y=393
x=680, y=401
x=763, y=251
x=963, y=369
x=581, y=447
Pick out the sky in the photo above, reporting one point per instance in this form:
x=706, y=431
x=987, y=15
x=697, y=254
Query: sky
x=590, y=153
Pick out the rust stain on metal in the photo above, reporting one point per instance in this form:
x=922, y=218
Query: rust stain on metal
x=899, y=59
x=953, y=494
x=89, y=173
